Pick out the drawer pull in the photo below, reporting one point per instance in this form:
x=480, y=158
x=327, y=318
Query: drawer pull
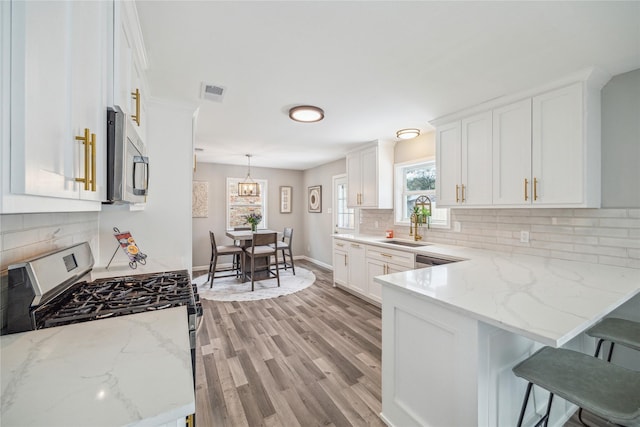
x=136, y=117
x=386, y=255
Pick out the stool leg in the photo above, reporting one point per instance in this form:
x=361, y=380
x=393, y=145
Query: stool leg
x=610, y=352
x=546, y=416
x=524, y=404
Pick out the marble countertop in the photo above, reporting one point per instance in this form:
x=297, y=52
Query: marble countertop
x=130, y=370
x=547, y=300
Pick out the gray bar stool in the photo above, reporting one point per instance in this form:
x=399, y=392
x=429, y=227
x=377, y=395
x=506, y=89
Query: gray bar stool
x=607, y=390
x=616, y=331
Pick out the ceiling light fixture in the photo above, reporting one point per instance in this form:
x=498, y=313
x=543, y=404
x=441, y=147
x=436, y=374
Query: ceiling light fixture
x=248, y=188
x=306, y=113
x=408, y=133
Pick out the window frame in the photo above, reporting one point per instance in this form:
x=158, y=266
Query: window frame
x=336, y=179
x=263, y=198
x=399, y=194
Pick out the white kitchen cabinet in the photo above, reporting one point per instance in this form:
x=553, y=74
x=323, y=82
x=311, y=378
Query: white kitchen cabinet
x=512, y=153
x=381, y=261
x=370, y=176
x=357, y=266
x=340, y=263
x=58, y=89
x=463, y=157
x=130, y=64
x=543, y=156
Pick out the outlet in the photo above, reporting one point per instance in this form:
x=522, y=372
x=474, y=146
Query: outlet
x=456, y=226
x=524, y=236
x=375, y=224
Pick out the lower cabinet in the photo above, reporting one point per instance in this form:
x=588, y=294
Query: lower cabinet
x=356, y=264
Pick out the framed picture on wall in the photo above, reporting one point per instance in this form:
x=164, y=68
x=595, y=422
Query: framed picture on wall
x=285, y=199
x=315, y=198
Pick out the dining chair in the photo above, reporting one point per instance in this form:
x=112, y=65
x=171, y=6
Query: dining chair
x=285, y=246
x=236, y=258
x=262, y=246
x=218, y=251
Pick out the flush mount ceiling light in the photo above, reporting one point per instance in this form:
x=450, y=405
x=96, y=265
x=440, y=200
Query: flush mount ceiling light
x=408, y=133
x=306, y=114
x=248, y=188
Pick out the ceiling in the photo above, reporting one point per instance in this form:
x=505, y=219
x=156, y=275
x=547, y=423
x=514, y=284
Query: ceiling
x=373, y=66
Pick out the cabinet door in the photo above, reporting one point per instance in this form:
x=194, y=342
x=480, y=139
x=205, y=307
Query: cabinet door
x=375, y=268
x=354, y=179
x=369, y=174
x=476, y=173
x=42, y=146
x=448, y=152
x=512, y=154
x=340, y=268
x=357, y=266
x=88, y=91
x=557, y=147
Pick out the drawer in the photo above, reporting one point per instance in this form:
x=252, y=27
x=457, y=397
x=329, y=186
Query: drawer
x=402, y=258
x=340, y=245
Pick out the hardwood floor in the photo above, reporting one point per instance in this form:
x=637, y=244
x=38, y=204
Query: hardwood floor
x=308, y=359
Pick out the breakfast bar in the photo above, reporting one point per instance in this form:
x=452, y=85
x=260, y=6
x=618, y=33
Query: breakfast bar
x=452, y=333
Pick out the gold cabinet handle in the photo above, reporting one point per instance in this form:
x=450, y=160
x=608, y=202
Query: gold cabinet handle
x=345, y=260
x=85, y=142
x=339, y=244
x=385, y=269
x=526, y=193
x=457, y=198
x=354, y=245
x=136, y=117
x=462, y=193
x=535, y=189
x=93, y=162
x=386, y=255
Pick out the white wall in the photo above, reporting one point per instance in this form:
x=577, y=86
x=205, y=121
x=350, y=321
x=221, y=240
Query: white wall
x=163, y=229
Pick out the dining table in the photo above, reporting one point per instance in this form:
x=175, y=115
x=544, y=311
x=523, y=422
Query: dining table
x=245, y=237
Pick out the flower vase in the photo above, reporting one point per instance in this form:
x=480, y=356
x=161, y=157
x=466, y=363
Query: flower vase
x=254, y=227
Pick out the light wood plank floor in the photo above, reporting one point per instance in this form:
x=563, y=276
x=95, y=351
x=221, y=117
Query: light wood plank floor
x=307, y=359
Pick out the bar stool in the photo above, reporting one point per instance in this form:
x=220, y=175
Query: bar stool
x=607, y=390
x=616, y=331
x=285, y=245
x=262, y=246
x=236, y=258
x=218, y=251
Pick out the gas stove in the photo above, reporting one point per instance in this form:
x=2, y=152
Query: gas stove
x=53, y=290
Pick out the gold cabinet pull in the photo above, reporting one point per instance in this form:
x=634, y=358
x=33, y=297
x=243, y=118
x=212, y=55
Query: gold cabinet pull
x=345, y=260
x=462, y=193
x=136, y=117
x=535, y=189
x=386, y=255
x=339, y=244
x=354, y=245
x=93, y=162
x=526, y=193
x=85, y=142
x=457, y=198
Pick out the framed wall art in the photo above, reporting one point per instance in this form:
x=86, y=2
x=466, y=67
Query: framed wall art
x=285, y=199
x=315, y=198
x=200, y=199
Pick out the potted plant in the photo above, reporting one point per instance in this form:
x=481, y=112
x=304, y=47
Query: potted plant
x=253, y=219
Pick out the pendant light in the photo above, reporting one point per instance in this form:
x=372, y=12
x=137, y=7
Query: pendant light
x=248, y=188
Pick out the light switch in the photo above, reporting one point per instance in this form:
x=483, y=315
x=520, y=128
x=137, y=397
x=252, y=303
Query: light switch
x=524, y=236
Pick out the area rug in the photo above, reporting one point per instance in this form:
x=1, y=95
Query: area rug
x=231, y=289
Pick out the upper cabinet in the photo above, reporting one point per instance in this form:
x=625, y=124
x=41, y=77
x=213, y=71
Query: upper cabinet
x=463, y=147
x=58, y=61
x=129, y=66
x=542, y=150
x=370, y=176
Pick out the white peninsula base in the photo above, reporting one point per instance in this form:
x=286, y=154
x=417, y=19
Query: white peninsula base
x=442, y=368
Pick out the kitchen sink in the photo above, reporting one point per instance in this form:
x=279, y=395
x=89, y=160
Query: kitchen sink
x=403, y=243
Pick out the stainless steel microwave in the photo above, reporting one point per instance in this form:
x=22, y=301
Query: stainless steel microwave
x=127, y=161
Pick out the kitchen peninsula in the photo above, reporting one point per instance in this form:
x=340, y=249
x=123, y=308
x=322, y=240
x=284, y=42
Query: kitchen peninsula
x=451, y=333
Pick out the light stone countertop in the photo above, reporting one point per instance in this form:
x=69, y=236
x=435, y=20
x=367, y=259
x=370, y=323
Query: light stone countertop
x=547, y=300
x=130, y=370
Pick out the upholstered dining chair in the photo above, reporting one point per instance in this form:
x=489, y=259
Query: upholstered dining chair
x=262, y=246
x=285, y=246
x=218, y=251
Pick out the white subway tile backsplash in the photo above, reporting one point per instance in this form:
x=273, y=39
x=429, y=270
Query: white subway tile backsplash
x=605, y=236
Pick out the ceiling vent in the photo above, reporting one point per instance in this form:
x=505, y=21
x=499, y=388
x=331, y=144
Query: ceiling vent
x=212, y=92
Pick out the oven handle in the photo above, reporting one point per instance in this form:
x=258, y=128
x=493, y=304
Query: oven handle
x=144, y=161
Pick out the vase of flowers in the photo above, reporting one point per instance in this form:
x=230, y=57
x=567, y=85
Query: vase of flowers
x=253, y=219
